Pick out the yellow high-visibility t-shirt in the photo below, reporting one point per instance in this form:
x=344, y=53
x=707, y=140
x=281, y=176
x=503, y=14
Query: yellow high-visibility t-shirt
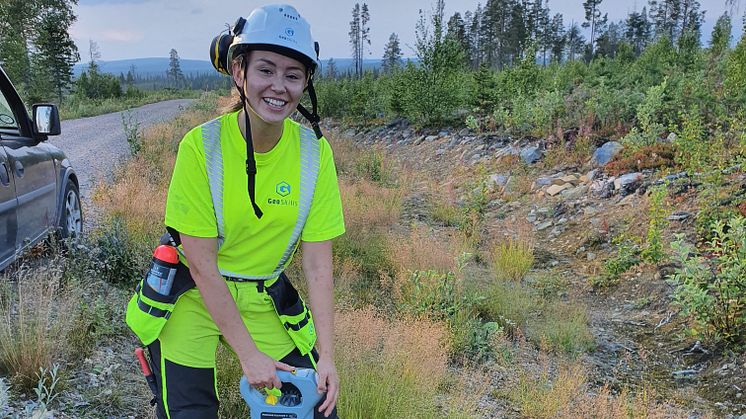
x=252, y=246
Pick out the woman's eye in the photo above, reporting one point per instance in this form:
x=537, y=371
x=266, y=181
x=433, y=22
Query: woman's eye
x=293, y=77
x=265, y=71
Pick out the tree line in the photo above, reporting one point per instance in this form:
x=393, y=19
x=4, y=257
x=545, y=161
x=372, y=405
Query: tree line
x=500, y=33
x=35, y=45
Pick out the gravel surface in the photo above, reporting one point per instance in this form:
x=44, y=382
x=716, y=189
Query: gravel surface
x=96, y=145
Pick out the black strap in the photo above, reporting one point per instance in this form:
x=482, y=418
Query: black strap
x=251, y=164
x=313, y=116
x=299, y=325
x=153, y=311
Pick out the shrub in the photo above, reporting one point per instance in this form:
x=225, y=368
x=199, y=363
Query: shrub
x=648, y=118
x=562, y=328
x=512, y=259
x=656, y=156
x=115, y=257
x=652, y=252
x=710, y=287
x=628, y=255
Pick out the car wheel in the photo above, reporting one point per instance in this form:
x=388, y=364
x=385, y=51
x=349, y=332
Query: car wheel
x=71, y=223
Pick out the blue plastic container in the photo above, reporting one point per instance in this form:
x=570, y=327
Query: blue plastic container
x=299, y=396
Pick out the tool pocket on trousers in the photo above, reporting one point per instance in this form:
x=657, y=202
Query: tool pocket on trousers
x=148, y=311
x=293, y=313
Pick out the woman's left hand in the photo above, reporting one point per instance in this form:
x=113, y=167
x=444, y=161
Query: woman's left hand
x=328, y=383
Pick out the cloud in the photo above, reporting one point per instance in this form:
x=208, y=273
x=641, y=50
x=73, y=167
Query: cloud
x=107, y=2
x=122, y=36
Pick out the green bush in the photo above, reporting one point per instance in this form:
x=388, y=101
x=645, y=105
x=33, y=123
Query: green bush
x=710, y=285
x=114, y=257
x=652, y=251
x=628, y=255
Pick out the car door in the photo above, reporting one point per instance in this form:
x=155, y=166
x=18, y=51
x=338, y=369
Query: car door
x=32, y=169
x=8, y=202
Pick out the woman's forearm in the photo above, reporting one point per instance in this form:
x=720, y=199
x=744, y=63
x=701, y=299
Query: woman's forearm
x=201, y=253
x=317, y=268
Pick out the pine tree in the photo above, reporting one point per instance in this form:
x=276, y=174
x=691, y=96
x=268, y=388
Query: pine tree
x=331, y=69
x=557, y=38
x=174, y=68
x=354, y=33
x=456, y=30
x=55, y=51
x=575, y=41
x=721, y=35
x=608, y=41
x=392, y=54
x=592, y=18
x=364, y=32
x=637, y=31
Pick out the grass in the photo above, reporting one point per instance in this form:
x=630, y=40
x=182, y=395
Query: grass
x=35, y=317
x=562, y=328
x=512, y=259
x=74, y=107
x=393, y=367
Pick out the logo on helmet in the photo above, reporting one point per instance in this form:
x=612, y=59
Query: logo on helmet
x=289, y=31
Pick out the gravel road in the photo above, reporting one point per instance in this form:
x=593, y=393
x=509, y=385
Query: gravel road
x=96, y=145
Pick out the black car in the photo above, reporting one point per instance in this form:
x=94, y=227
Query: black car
x=39, y=192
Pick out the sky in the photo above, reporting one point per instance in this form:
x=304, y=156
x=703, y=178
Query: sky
x=125, y=29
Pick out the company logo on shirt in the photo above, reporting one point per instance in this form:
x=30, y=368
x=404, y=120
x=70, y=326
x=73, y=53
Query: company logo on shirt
x=283, y=189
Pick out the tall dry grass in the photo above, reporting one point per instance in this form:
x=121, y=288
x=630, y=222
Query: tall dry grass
x=565, y=393
x=393, y=367
x=35, y=317
x=512, y=259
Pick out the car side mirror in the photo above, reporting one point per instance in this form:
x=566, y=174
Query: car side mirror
x=46, y=119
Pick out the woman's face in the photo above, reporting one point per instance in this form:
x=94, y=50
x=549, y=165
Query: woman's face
x=274, y=84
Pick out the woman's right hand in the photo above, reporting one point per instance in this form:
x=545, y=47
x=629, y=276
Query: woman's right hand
x=261, y=371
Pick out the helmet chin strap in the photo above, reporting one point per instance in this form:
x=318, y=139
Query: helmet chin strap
x=250, y=161
x=312, y=117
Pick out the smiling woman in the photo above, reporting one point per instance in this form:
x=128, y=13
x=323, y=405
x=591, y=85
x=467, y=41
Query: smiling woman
x=248, y=189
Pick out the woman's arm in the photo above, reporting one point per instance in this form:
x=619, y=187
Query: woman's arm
x=317, y=268
x=258, y=367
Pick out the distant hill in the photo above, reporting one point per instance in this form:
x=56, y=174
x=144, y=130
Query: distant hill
x=145, y=67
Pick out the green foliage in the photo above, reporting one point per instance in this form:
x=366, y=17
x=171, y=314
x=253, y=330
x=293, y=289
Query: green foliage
x=628, y=255
x=735, y=75
x=648, y=116
x=131, y=127
x=92, y=321
x=653, y=252
x=710, y=286
x=114, y=256
x=432, y=293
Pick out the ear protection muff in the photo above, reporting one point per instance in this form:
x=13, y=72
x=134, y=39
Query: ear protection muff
x=221, y=44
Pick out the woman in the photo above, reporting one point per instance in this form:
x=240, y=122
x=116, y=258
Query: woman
x=246, y=189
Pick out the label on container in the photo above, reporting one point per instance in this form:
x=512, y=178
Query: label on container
x=268, y=415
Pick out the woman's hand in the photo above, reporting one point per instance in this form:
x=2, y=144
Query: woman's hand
x=328, y=383
x=261, y=371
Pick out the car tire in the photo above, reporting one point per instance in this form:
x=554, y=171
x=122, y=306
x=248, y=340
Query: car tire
x=71, y=220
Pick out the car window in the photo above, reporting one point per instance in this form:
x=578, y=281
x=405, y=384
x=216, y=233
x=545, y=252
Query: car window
x=7, y=120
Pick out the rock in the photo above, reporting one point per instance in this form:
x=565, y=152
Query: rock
x=350, y=132
x=531, y=154
x=440, y=152
x=543, y=181
x=575, y=193
x=499, y=179
x=606, y=153
x=603, y=189
x=590, y=256
x=679, y=216
x=592, y=175
x=531, y=217
x=507, y=151
x=430, y=138
x=671, y=138
x=543, y=226
x=419, y=140
x=464, y=132
x=556, y=189
x=570, y=179
x=628, y=183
